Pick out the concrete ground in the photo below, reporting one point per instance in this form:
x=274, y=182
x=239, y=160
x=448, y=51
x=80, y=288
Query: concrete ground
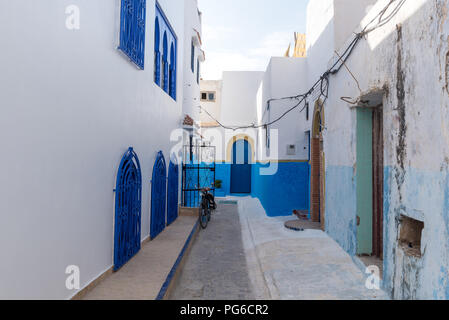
x=143, y=276
x=216, y=266
x=285, y=264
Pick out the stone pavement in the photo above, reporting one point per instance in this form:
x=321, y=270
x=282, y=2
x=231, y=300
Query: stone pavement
x=143, y=276
x=285, y=264
x=216, y=266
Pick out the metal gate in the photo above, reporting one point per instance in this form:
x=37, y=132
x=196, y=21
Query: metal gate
x=128, y=201
x=198, y=172
x=158, y=196
x=172, y=191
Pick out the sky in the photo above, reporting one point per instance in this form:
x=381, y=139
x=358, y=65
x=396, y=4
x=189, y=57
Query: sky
x=243, y=34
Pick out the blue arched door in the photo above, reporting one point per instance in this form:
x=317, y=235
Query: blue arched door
x=172, y=191
x=241, y=167
x=158, y=196
x=128, y=201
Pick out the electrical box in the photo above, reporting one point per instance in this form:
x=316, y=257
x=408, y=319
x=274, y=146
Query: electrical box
x=291, y=150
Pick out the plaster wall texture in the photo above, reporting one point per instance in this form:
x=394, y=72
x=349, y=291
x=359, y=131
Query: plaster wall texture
x=415, y=105
x=192, y=26
x=71, y=106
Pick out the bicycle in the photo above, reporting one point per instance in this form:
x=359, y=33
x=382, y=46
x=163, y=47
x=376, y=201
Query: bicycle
x=207, y=205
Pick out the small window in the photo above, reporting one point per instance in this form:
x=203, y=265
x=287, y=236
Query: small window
x=192, y=58
x=208, y=96
x=307, y=111
x=198, y=71
x=132, y=30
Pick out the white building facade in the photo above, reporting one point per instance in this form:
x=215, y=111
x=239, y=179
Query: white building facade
x=374, y=136
x=77, y=93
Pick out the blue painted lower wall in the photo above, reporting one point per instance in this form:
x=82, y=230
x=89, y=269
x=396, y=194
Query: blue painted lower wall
x=419, y=194
x=280, y=193
x=341, y=207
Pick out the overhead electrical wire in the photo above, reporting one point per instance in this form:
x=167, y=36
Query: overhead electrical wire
x=323, y=82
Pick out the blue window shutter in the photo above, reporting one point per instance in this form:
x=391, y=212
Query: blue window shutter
x=157, y=68
x=157, y=53
x=165, y=84
x=132, y=30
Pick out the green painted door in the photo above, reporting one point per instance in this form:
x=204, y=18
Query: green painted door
x=364, y=181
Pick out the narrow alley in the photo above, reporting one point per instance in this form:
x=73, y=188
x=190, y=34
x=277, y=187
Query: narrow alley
x=216, y=268
x=319, y=127
x=243, y=255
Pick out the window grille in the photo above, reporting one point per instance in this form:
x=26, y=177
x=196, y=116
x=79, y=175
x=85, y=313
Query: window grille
x=166, y=54
x=132, y=30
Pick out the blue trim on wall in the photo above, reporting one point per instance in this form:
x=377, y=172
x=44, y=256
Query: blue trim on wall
x=175, y=267
x=279, y=194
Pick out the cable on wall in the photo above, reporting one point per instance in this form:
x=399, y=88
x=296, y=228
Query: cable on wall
x=322, y=84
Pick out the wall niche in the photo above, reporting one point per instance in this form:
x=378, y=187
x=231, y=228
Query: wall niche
x=410, y=236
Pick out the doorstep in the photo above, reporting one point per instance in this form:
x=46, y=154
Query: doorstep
x=151, y=273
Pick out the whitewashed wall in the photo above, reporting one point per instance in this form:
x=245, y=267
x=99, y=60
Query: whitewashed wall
x=416, y=141
x=191, y=87
x=71, y=106
x=239, y=97
x=284, y=78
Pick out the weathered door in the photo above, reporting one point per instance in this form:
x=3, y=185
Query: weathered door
x=172, y=191
x=241, y=167
x=364, y=181
x=158, y=196
x=378, y=182
x=128, y=201
x=315, y=192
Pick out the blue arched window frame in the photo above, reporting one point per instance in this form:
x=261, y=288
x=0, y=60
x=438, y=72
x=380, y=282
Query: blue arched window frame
x=128, y=209
x=172, y=190
x=171, y=74
x=166, y=62
x=157, y=53
x=132, y=30
x=158, y=196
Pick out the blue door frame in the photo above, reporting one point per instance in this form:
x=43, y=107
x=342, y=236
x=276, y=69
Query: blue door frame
x=128, y=202
x=241, y=167
x=158, y=196
x=172, y=191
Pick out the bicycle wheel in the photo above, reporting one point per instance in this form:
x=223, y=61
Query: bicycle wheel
x=204, y=213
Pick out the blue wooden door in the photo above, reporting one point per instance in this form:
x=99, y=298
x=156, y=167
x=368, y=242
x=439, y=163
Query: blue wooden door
x=241, y=167
x=128, y=201
x=172, y=191
x=158, y=196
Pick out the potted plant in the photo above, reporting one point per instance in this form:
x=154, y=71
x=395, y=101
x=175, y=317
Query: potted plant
x=218, y=184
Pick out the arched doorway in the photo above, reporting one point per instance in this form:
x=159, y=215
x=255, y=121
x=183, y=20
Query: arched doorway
x=128, y=201
x=172, y=191
x=241, y=166
x=158, y=196
x=318, y=175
